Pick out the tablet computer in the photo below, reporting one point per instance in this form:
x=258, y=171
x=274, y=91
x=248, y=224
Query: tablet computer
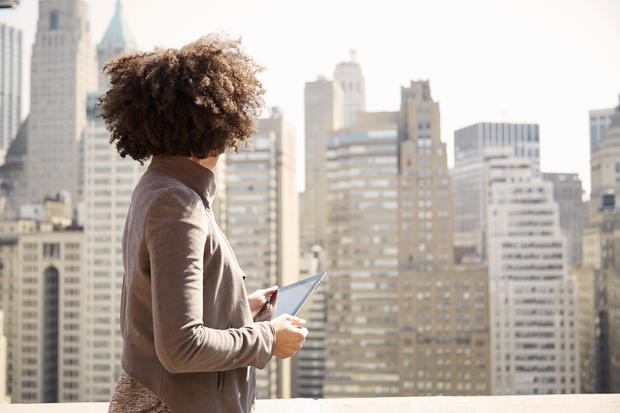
x=293, y=296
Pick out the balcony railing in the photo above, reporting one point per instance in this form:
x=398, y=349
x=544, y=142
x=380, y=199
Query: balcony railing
x=574, y=403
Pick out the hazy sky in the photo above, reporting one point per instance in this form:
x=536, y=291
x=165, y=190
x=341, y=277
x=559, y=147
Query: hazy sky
x=547, y=62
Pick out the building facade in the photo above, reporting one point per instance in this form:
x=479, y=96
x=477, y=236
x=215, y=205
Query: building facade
x=63, y=71
x=351, y=80
x=362, y=318
x=605, y=164
x=46, y=360
x=470, y=144
x=599, y=272
x=10, y=232
x=568, y=194
x=11, y=51
x=323, y=103
x=390, y=243
x=444, y=333
x=533, y=301
x=599, y=123
x=262, y=223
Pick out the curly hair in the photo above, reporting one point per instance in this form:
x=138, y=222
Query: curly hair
x=190, y=101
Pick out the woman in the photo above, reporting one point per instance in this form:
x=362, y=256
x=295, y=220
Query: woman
x=190, y=337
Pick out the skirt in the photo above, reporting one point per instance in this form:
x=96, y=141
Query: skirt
x=130, y=396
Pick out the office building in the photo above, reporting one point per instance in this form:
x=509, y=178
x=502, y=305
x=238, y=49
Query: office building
x=444, y=333
x=390, y=234
x=9, y=290
x=262, y=223
x=109, y=181
x=599, y=272
x=11, y=50
x=351, y=80
x=605, y=164
x=362, y=318
x=599, y=123
x=468, y=181
x=568, y=194
x=63, y=71
x=46, y=360
x=533, y=301
x=425, y=199
x=323, y=103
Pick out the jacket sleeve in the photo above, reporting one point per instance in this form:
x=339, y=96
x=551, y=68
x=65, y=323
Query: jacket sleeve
x=175, y=236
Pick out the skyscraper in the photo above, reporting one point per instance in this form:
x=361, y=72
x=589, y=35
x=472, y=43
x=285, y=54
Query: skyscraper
x=48, y=316
x=63, y=71
x=351, y=80
x=534, y=346
x=599, y=273
x=11, y=50
x=362, y=317
x=262, y=223
x=117, y=40
x=390, y=235
x=568, y=193
x=323, y=114
x=468, y=180
x=599, y=122
x=108, y=184
x=605, y=164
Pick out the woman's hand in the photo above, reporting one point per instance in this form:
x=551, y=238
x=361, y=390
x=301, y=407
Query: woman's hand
x=290, y=335
x=262, y=309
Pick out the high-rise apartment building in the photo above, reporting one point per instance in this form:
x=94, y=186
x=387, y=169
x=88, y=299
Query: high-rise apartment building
x=390, y=234
x=470, y=144
x=351, y=80
x=46, y=361
x=599, y=123
x=11, y=50
x=262, y=223
x=362, y=318
x=63, y=71
x=444, y=333
x=109, y=181
x=568, y=193
x=599, y=273
x=605, y=164
x=323, y=109
x=534, y=347
x=425, y=199
x=10, y=232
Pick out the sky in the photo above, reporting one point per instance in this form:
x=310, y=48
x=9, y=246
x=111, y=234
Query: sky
x=548, y=62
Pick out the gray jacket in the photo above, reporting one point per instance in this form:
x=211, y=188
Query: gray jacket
x=187, y=327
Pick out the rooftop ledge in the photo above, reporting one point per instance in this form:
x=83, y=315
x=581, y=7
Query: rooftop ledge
x=574, y=403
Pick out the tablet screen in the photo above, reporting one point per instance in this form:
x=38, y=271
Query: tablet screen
x=292, y=297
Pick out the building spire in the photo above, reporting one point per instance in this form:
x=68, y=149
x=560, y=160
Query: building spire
x=118, y=35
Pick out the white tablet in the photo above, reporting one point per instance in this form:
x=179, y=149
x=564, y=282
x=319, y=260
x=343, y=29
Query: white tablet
x=293, y=296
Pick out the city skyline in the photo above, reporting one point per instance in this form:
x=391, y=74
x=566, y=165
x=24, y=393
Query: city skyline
x=525, y=72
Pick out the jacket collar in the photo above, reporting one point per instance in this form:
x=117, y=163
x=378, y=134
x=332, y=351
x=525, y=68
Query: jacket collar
x=192, y=175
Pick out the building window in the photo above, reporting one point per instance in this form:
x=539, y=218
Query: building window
x=51, y=250
x=54, y=20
